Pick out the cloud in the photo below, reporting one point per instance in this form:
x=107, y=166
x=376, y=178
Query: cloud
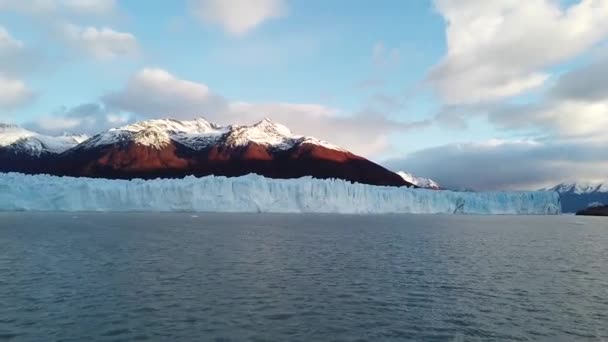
x=238, y=17
x=153, y=93
x=587, y=83
x=13, y=60
x=569, y=117
x=498, y=49
x=88, y=118
x=7, y=42
x=14, y=93
x=103, y=43
x=45, y=7
x=16, y=59
x=511, y=165
x=576, y=106
x=366, y=133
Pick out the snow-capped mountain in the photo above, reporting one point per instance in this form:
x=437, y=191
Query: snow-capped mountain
x=579, y=196
x=580, y=188
x=200, y=134
x=421, y=182
x=197, y=133
x=174, y=148
x=18, y=140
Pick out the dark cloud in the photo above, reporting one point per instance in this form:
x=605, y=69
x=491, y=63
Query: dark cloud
x=586, y=84
x=507, y=165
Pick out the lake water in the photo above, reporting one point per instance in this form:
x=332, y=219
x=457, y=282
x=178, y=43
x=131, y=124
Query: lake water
x=181, y=277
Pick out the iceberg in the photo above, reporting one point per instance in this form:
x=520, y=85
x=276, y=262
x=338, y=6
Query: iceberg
x=256, y=194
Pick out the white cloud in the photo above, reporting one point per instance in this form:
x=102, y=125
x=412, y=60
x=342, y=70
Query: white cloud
x=501, y=48
x=7, y=42
x=13, y=93
x=238, y=17
x=103, y=43
x=154, y=93
x=559, y=118
x=17, y=59
x=325, y=123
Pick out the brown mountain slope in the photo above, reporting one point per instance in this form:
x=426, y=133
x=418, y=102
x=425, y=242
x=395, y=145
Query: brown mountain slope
x=170, y=148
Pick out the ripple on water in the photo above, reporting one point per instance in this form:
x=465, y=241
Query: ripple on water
x=301, y=278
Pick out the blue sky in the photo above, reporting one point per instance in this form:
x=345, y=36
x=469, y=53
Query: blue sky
x=393, y=80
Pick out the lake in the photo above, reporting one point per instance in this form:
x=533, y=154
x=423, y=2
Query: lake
x=264, y=277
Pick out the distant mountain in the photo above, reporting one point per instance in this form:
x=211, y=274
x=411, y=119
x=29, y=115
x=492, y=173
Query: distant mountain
x=421, y=182
x=171, y=148
x=579, y=196
x=25, y=151
x=22, y=141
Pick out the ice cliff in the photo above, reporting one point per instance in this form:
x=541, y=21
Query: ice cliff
x=254, y=193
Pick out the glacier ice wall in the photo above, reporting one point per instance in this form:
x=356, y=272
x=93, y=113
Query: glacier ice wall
x=254, y=193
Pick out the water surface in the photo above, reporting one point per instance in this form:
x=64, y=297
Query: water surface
x=182, y=277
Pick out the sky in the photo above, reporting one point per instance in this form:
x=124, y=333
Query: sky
x=476, y=94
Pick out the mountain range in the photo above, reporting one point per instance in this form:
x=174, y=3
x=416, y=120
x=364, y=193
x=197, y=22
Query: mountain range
x=171, y=148
x=579, y=196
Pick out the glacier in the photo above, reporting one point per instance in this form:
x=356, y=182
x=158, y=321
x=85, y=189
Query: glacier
x=256, y=194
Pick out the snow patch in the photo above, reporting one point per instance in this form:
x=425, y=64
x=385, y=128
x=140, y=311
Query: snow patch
x=199, y=134
x=20, y=139
x=580, y=188
x=253, y=193
x=422, y=182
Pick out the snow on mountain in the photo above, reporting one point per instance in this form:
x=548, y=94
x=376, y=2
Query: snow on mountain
x=199, y=134
x=422, y=182
x=581, y=195
x=580, y=188
x=264, y=132
x=196, y=134
x=158, y=133
x=22, y=140
x=253, y=193
x=172, y=148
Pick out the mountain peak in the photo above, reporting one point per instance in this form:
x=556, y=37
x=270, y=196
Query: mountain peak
x=576, y=196
x=10, y=134
x=268, y=124
x=422, y=182
x=265, y=120
x=16, y=138
x=580, y=187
